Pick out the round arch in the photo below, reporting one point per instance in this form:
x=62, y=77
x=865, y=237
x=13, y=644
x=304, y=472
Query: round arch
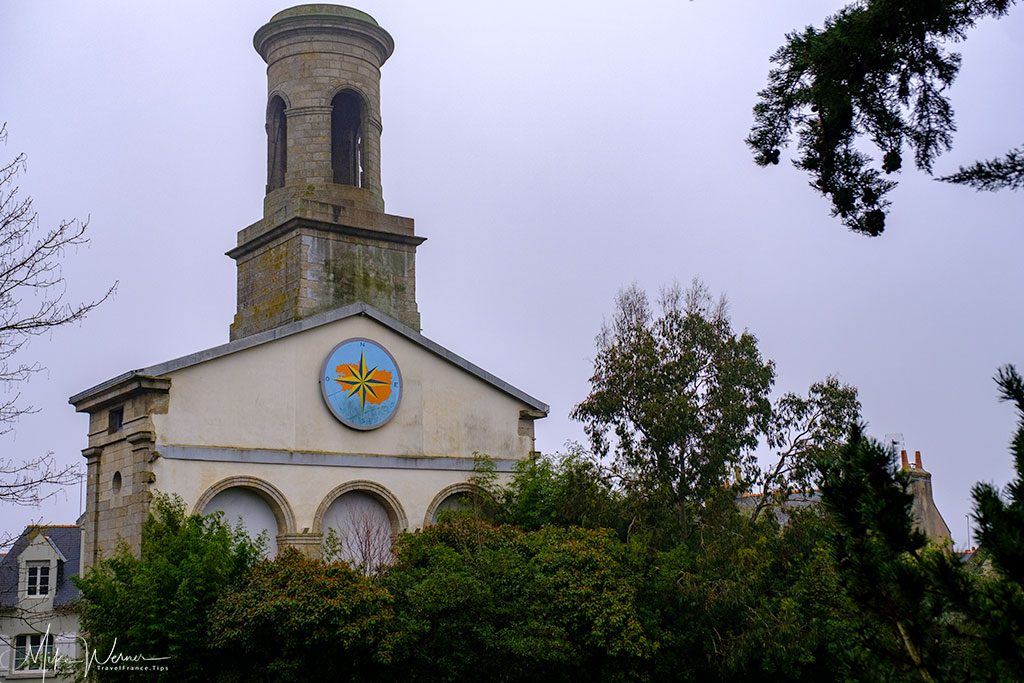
x=463, y=487
x=268, y=492
x=277, y=92
x=396, y=513
x=348, y=87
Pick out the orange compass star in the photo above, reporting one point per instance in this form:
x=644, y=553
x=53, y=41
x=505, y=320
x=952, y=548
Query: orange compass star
x=370, y=385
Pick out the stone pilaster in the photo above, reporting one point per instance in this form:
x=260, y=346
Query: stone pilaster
x=308, y=544
x=120, y=479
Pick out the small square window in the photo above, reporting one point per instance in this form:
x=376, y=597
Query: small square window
x=32, y=651
x=115, y=420
x=38, y=579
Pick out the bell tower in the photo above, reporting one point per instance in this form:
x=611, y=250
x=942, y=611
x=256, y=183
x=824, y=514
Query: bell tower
x=324, y=240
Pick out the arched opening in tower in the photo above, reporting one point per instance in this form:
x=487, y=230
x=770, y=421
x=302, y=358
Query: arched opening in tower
x=347, y=138
x=277, y=144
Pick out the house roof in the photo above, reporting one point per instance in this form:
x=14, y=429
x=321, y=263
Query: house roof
x=65, y=539
x=308, y=324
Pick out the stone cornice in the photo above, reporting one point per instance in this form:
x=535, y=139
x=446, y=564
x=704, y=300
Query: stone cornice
x=281, y=28
x=299, y=223
x=118, y=390
x=325, y=110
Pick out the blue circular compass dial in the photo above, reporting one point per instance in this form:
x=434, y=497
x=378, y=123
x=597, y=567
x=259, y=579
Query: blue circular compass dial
x=361, y=383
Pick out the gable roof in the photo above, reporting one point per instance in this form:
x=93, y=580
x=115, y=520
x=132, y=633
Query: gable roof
x=308, y=324
x=65, y=541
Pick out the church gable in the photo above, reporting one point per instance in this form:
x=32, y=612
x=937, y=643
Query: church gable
x=266, y=392
x=269, y=394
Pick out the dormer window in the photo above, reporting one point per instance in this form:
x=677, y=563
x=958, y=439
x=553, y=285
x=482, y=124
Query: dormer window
x=38, y=579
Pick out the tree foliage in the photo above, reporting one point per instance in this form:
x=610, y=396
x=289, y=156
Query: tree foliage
x=634, y=562
x=880, y=550
x=877, y=72
x=936, y=617
x=477, y=601
x=1001, y=524
x=994, y=174
x=299, y=619
x=677, y=400
x=805, y=433
x=740, y=598
x=570, y=489
x=158, y=604
x=995, y=603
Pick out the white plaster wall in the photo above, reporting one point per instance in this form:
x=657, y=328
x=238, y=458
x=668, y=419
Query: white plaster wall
x=268, y=397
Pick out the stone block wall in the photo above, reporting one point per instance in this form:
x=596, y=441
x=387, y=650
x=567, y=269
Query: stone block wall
x=120, y=480
x=307, y=267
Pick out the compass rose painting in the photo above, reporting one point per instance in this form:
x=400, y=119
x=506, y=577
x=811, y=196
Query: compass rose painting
x=361, y=383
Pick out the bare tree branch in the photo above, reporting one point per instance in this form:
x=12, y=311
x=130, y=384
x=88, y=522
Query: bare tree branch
x=23, y=482
x=32, y=302
x=364, y=540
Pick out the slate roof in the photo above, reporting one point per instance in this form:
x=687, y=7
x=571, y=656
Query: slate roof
x=794, y=500
x=309, y=323
x=66, y=539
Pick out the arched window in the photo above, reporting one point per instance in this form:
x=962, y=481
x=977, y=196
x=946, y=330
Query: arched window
x=347, y=138
x=246, y=505
x=363, y=529
x=277, y=144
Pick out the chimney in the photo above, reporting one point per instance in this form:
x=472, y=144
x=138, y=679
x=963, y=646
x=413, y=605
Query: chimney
x=927, y=517
x=903, y=457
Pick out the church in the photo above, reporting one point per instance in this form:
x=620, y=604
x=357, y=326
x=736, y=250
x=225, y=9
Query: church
x=327, y=413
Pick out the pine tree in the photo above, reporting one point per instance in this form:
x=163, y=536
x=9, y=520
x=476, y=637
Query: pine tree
x=877, y=72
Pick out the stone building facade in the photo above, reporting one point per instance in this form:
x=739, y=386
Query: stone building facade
x=326, y=410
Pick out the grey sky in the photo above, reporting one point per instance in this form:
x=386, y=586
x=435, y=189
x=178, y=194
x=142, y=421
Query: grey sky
x=551, y=153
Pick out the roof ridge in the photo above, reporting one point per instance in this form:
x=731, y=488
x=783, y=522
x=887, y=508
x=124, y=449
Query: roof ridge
x=314, y=321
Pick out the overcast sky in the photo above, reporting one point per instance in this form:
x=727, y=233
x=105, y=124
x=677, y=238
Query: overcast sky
x=551, y=153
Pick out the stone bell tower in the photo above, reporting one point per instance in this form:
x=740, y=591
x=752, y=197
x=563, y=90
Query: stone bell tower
x=324, y=240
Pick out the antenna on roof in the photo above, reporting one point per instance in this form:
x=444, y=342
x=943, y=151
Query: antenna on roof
x=894, y=443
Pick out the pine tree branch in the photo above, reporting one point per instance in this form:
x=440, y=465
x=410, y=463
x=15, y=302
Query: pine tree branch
x=1001, y=173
